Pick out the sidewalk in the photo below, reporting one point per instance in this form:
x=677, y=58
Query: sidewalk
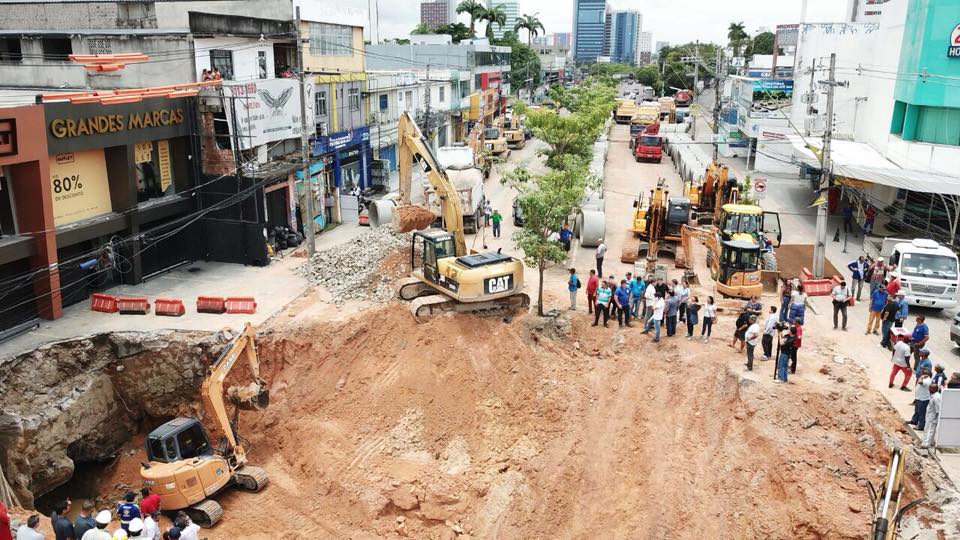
x=272, y=286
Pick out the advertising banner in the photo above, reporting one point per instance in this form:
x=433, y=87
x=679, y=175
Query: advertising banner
x=79, y=186
x=73, y=127
x=267, y=110
x=768, y=97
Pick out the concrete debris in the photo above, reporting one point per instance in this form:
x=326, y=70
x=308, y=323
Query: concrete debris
x=352, y=271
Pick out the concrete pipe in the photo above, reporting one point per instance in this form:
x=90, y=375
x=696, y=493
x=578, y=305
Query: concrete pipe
x=593, y=228
x=381, y=212
x=593, y=201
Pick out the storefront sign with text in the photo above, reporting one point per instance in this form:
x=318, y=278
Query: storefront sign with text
x=112, y=123
x=78, y=182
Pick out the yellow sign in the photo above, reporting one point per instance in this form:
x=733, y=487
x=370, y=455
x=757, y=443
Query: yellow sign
x=163, y=159
x=143, y=152
x=112, y=123
x=79, y=186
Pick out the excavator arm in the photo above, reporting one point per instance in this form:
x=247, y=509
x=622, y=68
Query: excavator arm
x=253, y=396
x=412, y=146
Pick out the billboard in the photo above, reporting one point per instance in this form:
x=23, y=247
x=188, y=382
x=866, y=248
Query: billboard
x=267, y=110
x=765, y=98
x=78, y=184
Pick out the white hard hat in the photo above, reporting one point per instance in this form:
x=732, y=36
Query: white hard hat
x=136, y=525
x=104, y=517
x=120, y=534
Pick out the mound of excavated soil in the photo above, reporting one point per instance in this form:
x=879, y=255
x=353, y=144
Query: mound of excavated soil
x=413, y=218
x=382, y=427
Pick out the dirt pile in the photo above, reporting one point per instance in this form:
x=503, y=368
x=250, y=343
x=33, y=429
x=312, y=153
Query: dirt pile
x=351, y=271
x=413, y=218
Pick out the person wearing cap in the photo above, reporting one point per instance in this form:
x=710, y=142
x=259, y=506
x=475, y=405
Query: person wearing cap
x=173, y=533
x=921, y=395
x=932, y=416
x=903, y=309
x=939, y=377
x=888, y=317
x=100, y=533
x=28, y=531
x=137, y=530
x=923, y=363
x=918, y=340
x=127, y=509
x=120, y=534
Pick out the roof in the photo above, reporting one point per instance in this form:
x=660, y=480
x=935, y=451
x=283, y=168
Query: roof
x=741, y=245
x=172, y=426
x=859, y=162
x=742, y=209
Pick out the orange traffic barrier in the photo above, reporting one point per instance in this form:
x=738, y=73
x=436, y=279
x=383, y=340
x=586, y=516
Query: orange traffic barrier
x=133, y=305
x=170, y=307
x=241, y=304
x=210, y=304
x=104, y=303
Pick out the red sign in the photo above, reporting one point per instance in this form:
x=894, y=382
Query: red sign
x=760, y=186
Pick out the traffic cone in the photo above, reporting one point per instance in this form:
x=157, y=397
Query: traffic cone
x=836, y=237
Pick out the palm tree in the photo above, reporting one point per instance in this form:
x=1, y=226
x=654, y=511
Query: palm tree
x=736, y=34
x=495, y=14
x=474, y=9
x=531, y=24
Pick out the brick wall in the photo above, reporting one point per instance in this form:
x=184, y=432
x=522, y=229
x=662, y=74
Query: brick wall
x=215, y=161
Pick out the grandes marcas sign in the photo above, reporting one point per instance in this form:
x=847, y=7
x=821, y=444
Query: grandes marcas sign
x=83, y=126
x=267, y=110
x=78, y=182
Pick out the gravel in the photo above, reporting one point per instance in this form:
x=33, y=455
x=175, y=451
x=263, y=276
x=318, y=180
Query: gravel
x=351, y=271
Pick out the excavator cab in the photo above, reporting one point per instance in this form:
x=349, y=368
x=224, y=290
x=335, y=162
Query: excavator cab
x=437, y=245
x=738, y=271
x=180, y=438
x=748, y=222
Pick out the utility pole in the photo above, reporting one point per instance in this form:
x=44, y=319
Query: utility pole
x=717, y=89
x=305, y=147
x=426, y=119
x=813, y=74
x=696, y=79
x=820, y=245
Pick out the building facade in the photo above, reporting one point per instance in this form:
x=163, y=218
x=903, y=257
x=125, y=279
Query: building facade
x=511, y=9
x=644, y=48
x=624, y=36
x=864, y=10
x=434, y=13
x=589, y=25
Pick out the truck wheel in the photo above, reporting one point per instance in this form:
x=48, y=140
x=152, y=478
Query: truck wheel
x=593, y=228
x=769, y=259
x=637, y=158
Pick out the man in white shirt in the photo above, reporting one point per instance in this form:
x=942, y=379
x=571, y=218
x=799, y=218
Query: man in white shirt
x=900, y=359
x=658, y=308
x=840, y=295
x=151, y=528
x=751, y=337
x=933, y=416
x=769, y=331
x=29, y=531
x=649, y=299
x=601, y=251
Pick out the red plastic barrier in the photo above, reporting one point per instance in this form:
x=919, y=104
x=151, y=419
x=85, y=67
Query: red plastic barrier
x=133, y=305
x=241, y=304
x=169, y=307
x=210, y=304
x=104, y=303
x=900, y=334
x=817, y=287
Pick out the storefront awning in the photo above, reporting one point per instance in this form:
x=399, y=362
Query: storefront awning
x=858, y=163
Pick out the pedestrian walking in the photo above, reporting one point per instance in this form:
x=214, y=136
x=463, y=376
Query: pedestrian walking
x=496, y=218
x=637, y=286
x=740, y=329
x=656, y=318
x=592, y=284
x=649, y=299
x=888, y=317
x=769, y=331
x=786, y=290
x=921, y=398
x=682, y=291
x=878, y=298
x=841, y=299
x=100, y=533
x=573, y=285
x=487, y=213
x=751, y=337
x=901, y=363
x=858, y=270
x=31, y=529
x=622, y=298
x=787, y=340
x=932, y=419
x=672, y=306
x=601, y=251
x=878, y=274
x=603, y=304
x=903, y=309
x=848, y=219
x=84, y=521
x=693, y=315
x=918, y=339
x=62, y=527
x=798, y=304
x=869, y=215
x=566, y=236
x=709, y=317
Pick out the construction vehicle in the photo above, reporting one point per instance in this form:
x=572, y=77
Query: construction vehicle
x=668, y=110
x=514, y=132
x=683, y=98
x=887, y=512
x=646, y=115
x=649, y=144
x=658, y=224
x=459, y=163
x=183, y=468
x=626, y=108
x=494, y=141
x=449, y=278
x=734, y=265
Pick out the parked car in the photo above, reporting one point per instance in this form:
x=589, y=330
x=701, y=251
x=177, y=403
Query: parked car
x=955, y=329
x=517, y=214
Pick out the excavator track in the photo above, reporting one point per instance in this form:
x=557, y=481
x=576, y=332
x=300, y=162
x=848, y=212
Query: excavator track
x=426, y=307
x=251, y=478
x=412, y=288
x=206, y=513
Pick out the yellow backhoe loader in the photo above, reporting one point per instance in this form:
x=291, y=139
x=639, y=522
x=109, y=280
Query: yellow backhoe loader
x=449, y=277
x=734, y=265
x=183, y=468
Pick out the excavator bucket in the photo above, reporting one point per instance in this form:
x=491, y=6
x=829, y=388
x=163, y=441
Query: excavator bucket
x=253, y=397
x=411, y=217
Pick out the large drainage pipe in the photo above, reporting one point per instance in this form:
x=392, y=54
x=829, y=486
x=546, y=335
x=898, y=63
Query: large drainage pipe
x=381, y=212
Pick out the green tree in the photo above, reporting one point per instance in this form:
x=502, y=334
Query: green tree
x=763, y=43
x=648, y=76
x=474, y=9
x=422, y=28
x=531, y=24
x=457, y=31
x=737, y=35
x=493, y=15
x=573, y=134
x=675, y=77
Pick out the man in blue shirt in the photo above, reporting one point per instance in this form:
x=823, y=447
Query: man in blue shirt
x=572, y=285
x=903, y=309
x=623, y=303
x=878, y=299
x=637, y=287
x=918, y=341
x=127, y=510
x=565, y=235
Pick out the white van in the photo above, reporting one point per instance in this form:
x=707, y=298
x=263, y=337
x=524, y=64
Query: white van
x=928, y=271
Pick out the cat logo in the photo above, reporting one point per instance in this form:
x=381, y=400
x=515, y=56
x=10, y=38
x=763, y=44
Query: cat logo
x=499, y=284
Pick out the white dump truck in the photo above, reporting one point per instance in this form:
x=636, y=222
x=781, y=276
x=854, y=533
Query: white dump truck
x=458, y=162
x=928, y=271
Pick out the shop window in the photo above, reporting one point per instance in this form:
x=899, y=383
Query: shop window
x=10, y=50
x=221, y=130
x=321, y=103
x=353, y=97
x=8, y=224
x=384, y=103
x=262, y=64
x=154, y=170
x=222, y=60
x=56, y=48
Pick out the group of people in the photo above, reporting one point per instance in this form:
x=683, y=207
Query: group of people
x=654, y=301
x=211, y=74
x=492, y=216
x=784, y=330
x=137, y=520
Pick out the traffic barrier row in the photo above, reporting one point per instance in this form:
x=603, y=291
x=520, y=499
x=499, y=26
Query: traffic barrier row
x=171, y=307
x=817, y=287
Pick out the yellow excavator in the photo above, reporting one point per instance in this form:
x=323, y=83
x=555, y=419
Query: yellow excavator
x=448, y=277
x=734, y=265
x=658, y=224
x=886, y=499
x=183, y=468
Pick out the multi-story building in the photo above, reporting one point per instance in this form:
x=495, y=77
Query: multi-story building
x=644, y=48
x=434, y=13
x=864, y=10
x=562, y=40
x=511, y=9
x=609, y=24
x=589, y=25
x=624, y=33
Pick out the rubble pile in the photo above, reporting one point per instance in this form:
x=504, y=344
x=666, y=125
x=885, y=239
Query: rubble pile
x=352, y=271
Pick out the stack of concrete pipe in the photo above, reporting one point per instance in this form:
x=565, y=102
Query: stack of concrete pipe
x=691, y=160
x=590, y=224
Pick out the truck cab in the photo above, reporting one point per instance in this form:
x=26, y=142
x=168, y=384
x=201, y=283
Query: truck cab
x=648, y=147
x=928, y=272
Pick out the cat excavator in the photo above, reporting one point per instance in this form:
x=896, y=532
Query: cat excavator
x=886, y=499
x=658, y=224
x=449, y=277
x=183, y=468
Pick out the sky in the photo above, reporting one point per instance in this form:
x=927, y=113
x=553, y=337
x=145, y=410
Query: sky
x=675, y=21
